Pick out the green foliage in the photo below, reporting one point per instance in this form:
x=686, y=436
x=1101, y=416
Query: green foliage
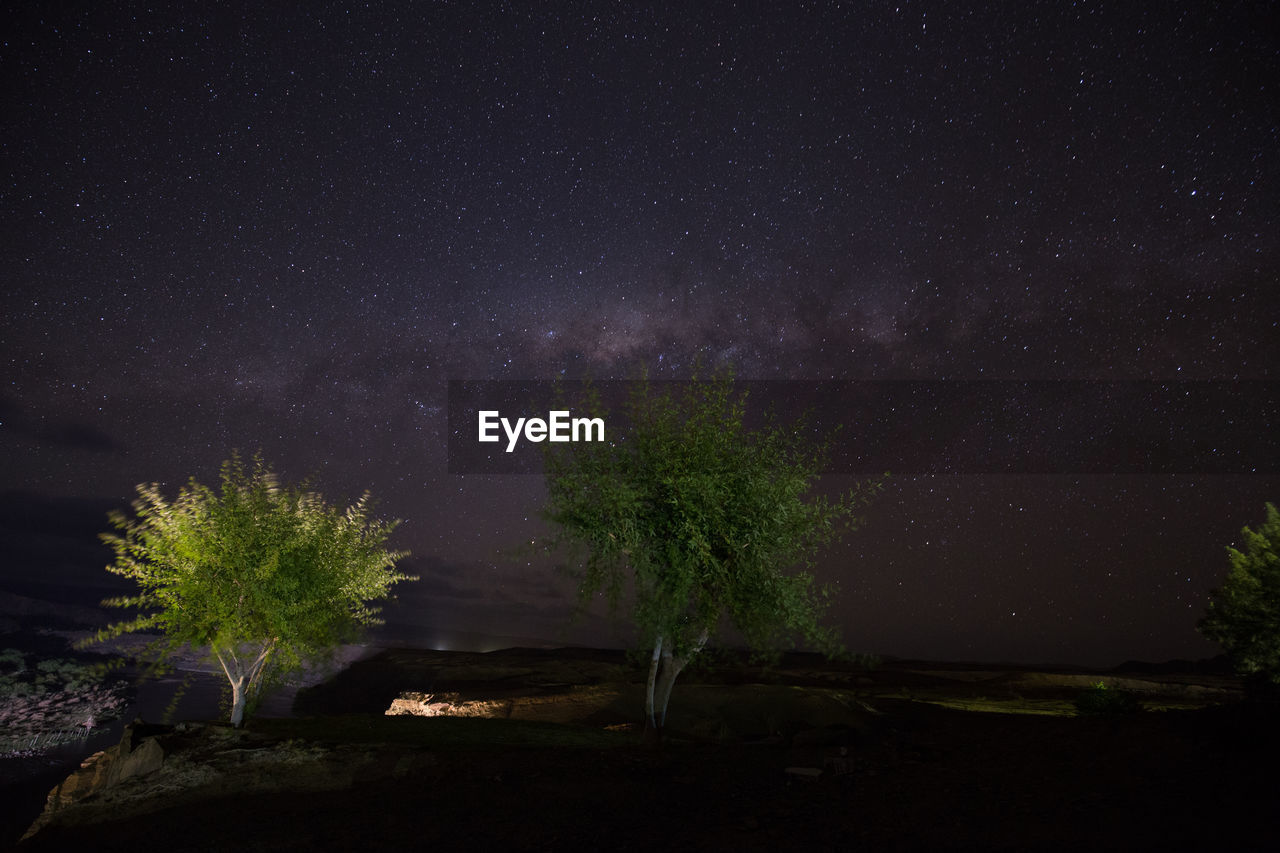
x=864, y=660
x=266, y=576
x=699, y=518
x=1103, y=701
x=1243, y=615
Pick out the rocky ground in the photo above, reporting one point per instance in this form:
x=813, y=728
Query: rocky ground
x=803, y=757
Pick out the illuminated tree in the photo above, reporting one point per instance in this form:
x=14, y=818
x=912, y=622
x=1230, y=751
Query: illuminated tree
x=705, y=518
x=265, y=576
x=1244, y=613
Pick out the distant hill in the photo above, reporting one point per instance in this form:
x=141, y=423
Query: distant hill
x=27, y=609
x=1219, y=665
x=448, y=640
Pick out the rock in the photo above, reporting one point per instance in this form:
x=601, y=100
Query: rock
x=447, y=705
x=804, y=772
x=153, y=768
x=422, y=704
x=139, y=761
x=135, y=755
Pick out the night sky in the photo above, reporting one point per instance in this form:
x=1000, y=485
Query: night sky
x=257, y=226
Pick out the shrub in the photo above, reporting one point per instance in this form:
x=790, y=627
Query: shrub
x=1101, y=700
x=1244, y=613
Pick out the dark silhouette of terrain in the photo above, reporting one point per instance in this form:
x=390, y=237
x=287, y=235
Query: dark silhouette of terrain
x=803, y=756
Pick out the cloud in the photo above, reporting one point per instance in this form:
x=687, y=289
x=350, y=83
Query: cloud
x=54, y=540
x=79, y=436
x=67, y=434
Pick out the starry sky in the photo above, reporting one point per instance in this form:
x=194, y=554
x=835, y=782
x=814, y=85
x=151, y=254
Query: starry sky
x=287, y=226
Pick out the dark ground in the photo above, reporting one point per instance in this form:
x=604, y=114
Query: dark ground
x=922, y=777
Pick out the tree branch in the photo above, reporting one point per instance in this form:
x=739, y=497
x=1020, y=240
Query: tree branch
x=230, y=677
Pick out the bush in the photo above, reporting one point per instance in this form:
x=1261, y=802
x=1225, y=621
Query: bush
x=1244, y=613
x=1103, y=701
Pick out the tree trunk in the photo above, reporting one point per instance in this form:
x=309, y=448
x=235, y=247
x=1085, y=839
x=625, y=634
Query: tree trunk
x=672, y=666
x=239, y=699
x=649, y=722
x=243, y=683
